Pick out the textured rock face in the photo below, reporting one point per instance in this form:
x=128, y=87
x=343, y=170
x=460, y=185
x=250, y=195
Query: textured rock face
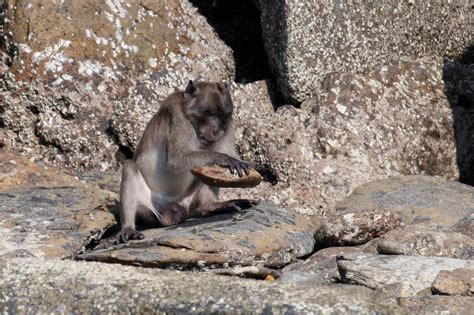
x=47, y=214
x=392, y=120
x=263, y=234
x=456, y=282
x=109, y=46
x=416, y=274
x=306, y=40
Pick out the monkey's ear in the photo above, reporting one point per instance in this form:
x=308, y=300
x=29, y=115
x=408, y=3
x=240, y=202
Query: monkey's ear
x=223, y=86
x=190, y=89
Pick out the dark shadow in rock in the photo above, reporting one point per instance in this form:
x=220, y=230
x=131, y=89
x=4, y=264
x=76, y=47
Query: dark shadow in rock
x=458, y=76
x=238, y=24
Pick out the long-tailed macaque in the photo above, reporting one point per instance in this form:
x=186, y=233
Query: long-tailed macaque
x=191, y=128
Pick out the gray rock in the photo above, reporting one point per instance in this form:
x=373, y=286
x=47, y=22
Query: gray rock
x=416, y=273
x=456, y=282
x=355, y=228
x=78, y=287
x=321, y=267
x=263, y=235
x=45, y=213
x=417, y=240
x=416, y=199
x=438, y=304
x=306, y=40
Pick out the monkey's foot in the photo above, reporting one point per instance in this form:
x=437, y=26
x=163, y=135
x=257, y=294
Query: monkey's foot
x=128, y=233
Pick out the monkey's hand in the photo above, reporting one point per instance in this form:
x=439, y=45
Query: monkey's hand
x=268, y=173
x=239, y=167
x=128, y=233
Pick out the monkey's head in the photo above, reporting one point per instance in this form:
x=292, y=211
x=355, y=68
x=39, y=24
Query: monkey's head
x=209, y=108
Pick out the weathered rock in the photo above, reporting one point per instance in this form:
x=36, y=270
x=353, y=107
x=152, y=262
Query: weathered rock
x=416, y=273
x=306, y=40
x=416, y=240
x=45, y=213
x=438, y=304
x=262, y=235
x=78, y=287
x=354, y=228
x=359, y=129
x=456, y=282
x=415, y=199
x=321, y=267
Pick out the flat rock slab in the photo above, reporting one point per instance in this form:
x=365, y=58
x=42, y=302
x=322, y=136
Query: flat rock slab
x=415, y=199
x=416, y=240
x=263, y=234
x=416, y=273
x=45, y=213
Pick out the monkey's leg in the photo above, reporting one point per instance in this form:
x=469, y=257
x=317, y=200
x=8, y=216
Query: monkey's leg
x=205, y=202
x=131, y=187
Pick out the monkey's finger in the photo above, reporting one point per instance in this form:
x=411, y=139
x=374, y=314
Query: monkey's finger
x=239, y=170
x=231, y=168
x=137, y=236
x=247, y=169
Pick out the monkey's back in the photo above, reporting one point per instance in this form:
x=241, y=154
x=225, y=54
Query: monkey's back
x=164, y=132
